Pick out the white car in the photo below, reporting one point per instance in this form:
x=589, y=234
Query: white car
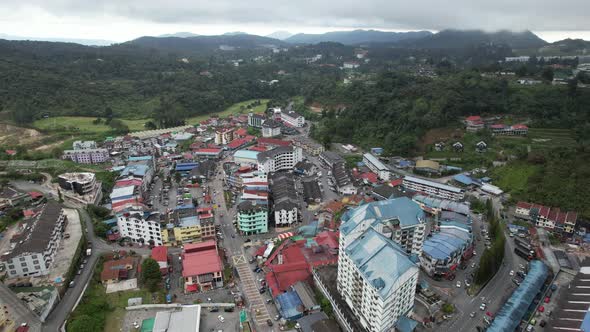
x=458, y=284
x=482, y=307
x=473, y=265
x=221, y=319
x=512, y=273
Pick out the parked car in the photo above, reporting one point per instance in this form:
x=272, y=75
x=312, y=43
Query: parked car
x=472, y=314
x=482, y=307
x=220, y=318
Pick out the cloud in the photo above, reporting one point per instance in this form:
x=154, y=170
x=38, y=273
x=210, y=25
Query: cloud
x=540, y=15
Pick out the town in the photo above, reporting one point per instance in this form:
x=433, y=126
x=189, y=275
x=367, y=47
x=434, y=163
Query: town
x=245, y=223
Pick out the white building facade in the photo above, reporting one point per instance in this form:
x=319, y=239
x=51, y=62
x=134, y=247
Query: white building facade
x=140, y=229
x=377, y=167
x=279, y=159
x=293, y=118
x=432, y=188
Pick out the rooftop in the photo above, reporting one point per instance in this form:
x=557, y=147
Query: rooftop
x=160, y=253
x=78, y=177
x=442, y=204
x=402, y=209
x=433, y=184
x=200, y=258
x=381, y=261
x=263, y=156
x=376, y=162
x=246, y=154
x=184, y=319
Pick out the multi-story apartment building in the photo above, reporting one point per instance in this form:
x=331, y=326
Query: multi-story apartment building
x=141, y=227
x=377, y=280
x=271, y=128
x=432, y=188
x=400, y=219
x=35, y=248
x=550, y=218
x=282, y=158
x=10, y=197
x=377, y=167
x=308, y=145
x=255, y=120
x=252, y=217
x=331, y=158
x=87, y=156
x=285, y=200
x=81, y=183
x=224, y=135
x=293, y=118
x=83, y=145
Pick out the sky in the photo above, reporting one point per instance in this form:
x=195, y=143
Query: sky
x=122, y=20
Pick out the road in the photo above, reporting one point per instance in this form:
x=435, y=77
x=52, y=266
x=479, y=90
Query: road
x=18, y=310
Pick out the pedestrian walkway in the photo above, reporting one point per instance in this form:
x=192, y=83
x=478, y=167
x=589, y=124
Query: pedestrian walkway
x=251, y=289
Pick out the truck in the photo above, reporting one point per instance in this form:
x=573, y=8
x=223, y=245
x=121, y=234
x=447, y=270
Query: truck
x=523, y=244
x=88, y=252
x=523, y=253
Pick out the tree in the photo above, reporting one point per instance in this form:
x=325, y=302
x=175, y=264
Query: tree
x=150, y=125
x=85, y=323
x=119, y=126
x=547, y=74
x=150, y=274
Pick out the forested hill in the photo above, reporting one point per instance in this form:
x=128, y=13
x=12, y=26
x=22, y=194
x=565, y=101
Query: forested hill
x=356, y=37
x=465, y=38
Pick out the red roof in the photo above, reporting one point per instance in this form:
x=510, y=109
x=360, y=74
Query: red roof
x=160, y=253
x=238, y=142
x=207, y=150
x=10, y=152
x=524, y=205
x=396, y=182
x=128, y=182
x=519, y=126
x=497, y=126
x=329, y=239
x=35, y=194
x=370, y=176
x=256, y=184
x=241, y=132
x=473, y=118
x=273, y=141
x=201, y=258
x=283, y=276
x=256, y=192
x=257, y=148
x=204, y=210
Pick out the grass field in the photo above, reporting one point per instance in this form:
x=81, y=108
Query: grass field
x=83, y=124
x=548, y=137
x=118, y=301
x=233, y=109
x=514, y=177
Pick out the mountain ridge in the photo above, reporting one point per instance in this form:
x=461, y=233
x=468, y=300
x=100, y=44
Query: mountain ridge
x=355, y=37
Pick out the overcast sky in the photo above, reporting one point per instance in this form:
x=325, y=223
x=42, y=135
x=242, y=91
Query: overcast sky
x=121, y=20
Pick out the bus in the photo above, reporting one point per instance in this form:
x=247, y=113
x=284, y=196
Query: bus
x=526, y=254
x=523, y=244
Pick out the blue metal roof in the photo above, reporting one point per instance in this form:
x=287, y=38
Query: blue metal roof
x=140, y=158
x=403, y=209
x=185, y=207
x=443, y=204
x=381, y=261
x=139, y=170
x=405, y=324
x=288, y=303
x=508, y=318
x=246, y=154
x=185, y=166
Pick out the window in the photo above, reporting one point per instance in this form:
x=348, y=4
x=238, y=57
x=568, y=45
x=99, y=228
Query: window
x=11, y=266
x=37, y=267
x=35, y=262
x=21, y=259
x=25, y=270
x=12, y=272
x=23, y=264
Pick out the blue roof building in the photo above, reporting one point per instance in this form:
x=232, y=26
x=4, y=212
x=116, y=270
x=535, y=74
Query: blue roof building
x=185, y=167
x=391, y=217
x=289, y=305
x=135, y=170
x=463, y=179
x=513, y=311
x=380, y=271
x=436, y=205
x=140, y=158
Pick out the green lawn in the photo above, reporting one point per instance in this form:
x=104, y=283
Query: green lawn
x=542, y=138
x=233, y=109
x=83, y=124
x=514, y=177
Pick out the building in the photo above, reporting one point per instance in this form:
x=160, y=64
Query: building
x=255, y=120
x=553, y=219
x=246, y=157
x=331, y=158
x=209, y=153
x=308, y=145
x=252, y=217
x=523, y=58
x=285, y=200
x=35, y=248
x=202, y=269
x=140, y=227
x=282, y=158
x=514, y=130
x=80, y=187
x=86, y=156
x=474, y=123
x=377, y=167
x=343, y=179
x=377, y=280
x=224, y=135
x=114, y=271
x=84, y=145
x=292, y=118
x=186, y=318
x=160, y=255
x=10, y=197
x=350, y=65
x=436, y=206
x=433, y=188
x=271, y=128
x=399, y=219
x=311, y=190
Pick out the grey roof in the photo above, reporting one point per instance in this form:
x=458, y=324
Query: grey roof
x=184, y=319
x=341, y=174
x=249, y=205
x=402, y=210
x=270, y=123
x=10, y=193
x=380, y=260
x=205, y=168
x=331, y=157
x=307, y=321
x=305, y=294
x=263, y=156
x=283, y=191
x=305, y=165
x=385, y=191
x=39, y=236
x=311, y=189
x=433, y=184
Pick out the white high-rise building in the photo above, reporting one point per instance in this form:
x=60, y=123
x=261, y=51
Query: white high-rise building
x=140, y=227
x=282, y=158
x=377, y=280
